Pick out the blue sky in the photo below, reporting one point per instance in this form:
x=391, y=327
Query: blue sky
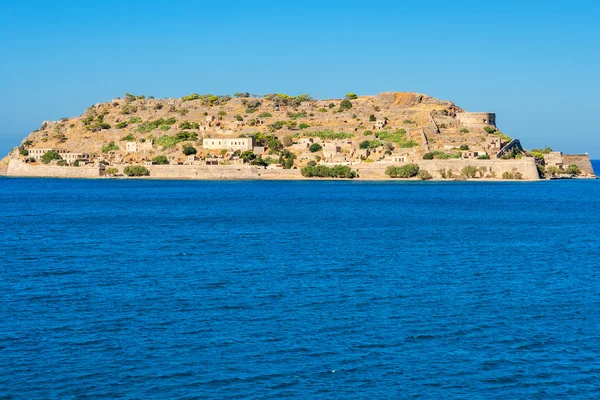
x=534, y=63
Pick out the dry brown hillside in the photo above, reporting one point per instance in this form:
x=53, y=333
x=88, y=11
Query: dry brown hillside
x=371, y=128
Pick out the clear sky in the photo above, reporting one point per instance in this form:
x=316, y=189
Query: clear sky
x=534, y=63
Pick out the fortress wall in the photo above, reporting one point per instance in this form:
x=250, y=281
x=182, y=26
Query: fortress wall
x=476, y=119
x=19, y=168
x=525, y=166
x=220, y=172
x=581, y=160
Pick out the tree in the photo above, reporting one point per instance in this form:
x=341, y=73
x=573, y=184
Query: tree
x=424, y=175
x=405, y=171
x=469, y=171
x=428, y=156
x=160, y=160
x=189, y=150
x=50, y=156
x=315, y=147
x=464, y=147
x=573, y=170
x=248, y=155
x=351, y=96
x=136, y=170
x=372, y=118
x=345, y=105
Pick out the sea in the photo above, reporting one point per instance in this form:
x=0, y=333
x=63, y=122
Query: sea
x=144, y=289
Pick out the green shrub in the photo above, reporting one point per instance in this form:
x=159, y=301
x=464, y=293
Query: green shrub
x=189, y=150
x=345, y=105
x=286, y=158
x=424, y=175
x=311, y=163
x=464, y=147
x=351, y=96
x=265, y=115
x=24, y=152
x=489, y=129
x=405, y=171
x=370, y=144
x=122, y=125
x=315, y=147
x=149, y=126
x=518, y=175
x=284, y=99
x=367, y=133
x=483, y=157
x=128, y=138
x=408, y=121
x=372, y=118
x=508, y=175
x=189, y=125
x=464, y=130
x=50, y=156
x=167, y=141
x=398, y=137
x=136, y=170
x=573, y=170
x=322, y=171
x=327, y=135
x=160, y=160
x=164, y=128
x=110, y=147
x=304, y=126
x=135, y=120
x=322, y=110
x=469, y=171
x=428, y=156
x=111, y=171
x=297, y=115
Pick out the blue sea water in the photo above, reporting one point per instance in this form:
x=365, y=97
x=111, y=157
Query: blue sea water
x=350, y=290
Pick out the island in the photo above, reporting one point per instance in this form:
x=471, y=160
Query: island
x=392, y=135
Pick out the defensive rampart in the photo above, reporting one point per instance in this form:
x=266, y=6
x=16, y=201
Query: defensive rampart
x=581, y=160
x=495, y=168
x=19, y=168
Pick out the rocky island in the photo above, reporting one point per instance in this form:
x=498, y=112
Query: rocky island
x=392, y=135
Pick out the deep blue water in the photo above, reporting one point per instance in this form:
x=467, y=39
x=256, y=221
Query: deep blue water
x=165, y=289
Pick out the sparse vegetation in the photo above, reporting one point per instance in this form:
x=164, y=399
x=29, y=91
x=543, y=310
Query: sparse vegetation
x=111, y=171
x=110, y=147
x=327, y=135
x=128, y=138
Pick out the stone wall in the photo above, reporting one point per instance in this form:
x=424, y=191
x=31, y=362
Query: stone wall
x=221, y=172
x=19, y=168
x=525, y=166
x=581, y=160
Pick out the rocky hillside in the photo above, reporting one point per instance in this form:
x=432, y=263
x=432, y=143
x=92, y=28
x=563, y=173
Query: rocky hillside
x=371, y=128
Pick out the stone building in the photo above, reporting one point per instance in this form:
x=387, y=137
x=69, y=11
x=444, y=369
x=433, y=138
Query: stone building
x=131, y=147
x=242, y=144
x=476, y=119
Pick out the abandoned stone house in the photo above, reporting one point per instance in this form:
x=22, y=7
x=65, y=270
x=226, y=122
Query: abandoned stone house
x=472, y=154
x=554, y=159
x=380, y=124
x=241, y=144
x=38, y=153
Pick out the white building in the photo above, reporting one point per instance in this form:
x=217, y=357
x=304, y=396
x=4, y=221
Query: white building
x=242, y=144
